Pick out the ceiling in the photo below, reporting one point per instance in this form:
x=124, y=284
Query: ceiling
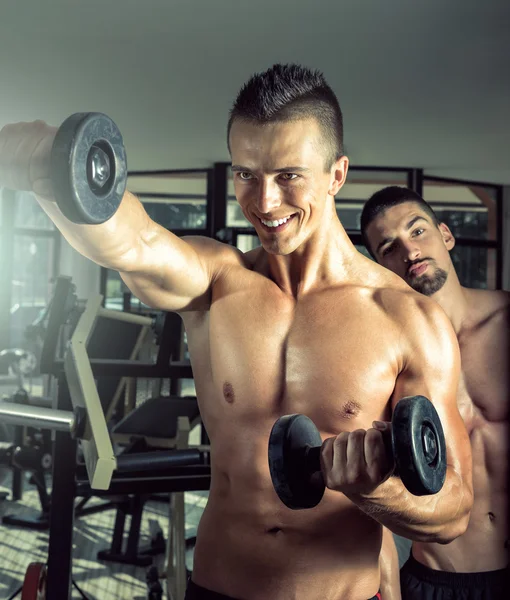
x=422, y=83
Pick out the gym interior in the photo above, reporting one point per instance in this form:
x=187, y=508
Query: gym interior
x=424, y=90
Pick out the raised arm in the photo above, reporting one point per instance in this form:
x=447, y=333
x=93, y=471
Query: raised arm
x=430, y=367
x=163, y=270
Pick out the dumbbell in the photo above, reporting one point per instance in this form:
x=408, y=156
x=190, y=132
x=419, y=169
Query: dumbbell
x=417, y=448
x=88, y=168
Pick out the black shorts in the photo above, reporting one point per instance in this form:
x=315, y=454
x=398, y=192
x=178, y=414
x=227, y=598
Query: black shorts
x=195, y=592
x=418, y=582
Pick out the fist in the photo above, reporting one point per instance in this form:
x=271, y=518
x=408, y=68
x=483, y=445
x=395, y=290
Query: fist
x=25, y=152
x=357, y=462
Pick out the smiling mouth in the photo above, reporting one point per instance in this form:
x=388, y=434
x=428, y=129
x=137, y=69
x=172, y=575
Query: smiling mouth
x=276, y=225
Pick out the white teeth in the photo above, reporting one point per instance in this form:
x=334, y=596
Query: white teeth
x=275, y=223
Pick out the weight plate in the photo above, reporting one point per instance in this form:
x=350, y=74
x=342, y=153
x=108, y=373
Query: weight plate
x=419, y=446
x=34, y=584
x=289, y=438
x=78, y=199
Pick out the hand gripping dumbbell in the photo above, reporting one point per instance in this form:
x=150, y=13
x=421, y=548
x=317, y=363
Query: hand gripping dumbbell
x=88, y=168
x=417, y=448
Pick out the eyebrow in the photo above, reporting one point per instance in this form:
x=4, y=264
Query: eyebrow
x=407, y=228
x=240, y=168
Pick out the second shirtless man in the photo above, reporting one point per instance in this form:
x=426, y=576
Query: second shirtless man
x=403, y=233
x=303, y=324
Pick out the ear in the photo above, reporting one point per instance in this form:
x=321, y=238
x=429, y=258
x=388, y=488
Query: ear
x=448, y=237
x=338, y=175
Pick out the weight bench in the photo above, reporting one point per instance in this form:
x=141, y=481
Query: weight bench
x=159, y=423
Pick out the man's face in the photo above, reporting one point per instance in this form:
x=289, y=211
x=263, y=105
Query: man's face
x=405, y=240
x=281, y=182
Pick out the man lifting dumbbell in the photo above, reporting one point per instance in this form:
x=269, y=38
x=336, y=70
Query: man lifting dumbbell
x=303, y=324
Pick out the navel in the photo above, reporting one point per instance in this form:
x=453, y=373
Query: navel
x=228, y=392
x=492, y=516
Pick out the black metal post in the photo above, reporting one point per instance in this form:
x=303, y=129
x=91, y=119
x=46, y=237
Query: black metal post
x=415, y=181
x=500, y=217
x=60, y=545
x=219, y=196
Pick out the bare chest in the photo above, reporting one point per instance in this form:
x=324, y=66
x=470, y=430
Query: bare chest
x=327, y=357
x=484, y=387
x=483, y=401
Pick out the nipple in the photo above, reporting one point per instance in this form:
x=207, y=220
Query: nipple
x=228, y=392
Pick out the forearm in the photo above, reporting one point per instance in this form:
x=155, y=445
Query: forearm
x=389, y=568
x=113, y=244
x=436, y=518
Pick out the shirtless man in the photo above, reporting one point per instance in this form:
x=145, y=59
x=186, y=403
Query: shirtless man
x=302, y=324
x=402, y=233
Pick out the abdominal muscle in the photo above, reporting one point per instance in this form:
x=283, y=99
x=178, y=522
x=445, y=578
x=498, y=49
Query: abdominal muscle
x=251, y=546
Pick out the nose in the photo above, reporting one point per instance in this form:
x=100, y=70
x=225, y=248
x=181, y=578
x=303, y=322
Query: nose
x=268, y=197
x=410, y=251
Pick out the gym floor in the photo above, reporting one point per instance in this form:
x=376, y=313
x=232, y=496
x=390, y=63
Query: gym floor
x=98, y=580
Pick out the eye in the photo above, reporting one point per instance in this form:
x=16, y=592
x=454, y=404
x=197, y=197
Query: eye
x=245, y=176
x=418, y=231
x=288, y=176
x=387, y=250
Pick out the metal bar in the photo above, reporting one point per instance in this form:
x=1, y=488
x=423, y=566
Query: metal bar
x=60, y=544
x=143, y=484
x=125, y=368
x=219, y=198
x=415, y=181
x=126, y=317
x=160, y=460
x=17, y=473
x=381, y=169
x=464, y=182
x=64, y=288
x=165, y=172
x=170, y=196
x=209, y=205
x=103, y=282
x=36, y=416
x=500, y=217
x=96, y=444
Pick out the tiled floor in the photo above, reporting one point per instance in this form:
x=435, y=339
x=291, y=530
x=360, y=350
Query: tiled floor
x=98, y=580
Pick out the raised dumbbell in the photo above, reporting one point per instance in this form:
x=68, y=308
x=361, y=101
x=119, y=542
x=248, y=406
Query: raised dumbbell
x=418, y=450
x=88, y=168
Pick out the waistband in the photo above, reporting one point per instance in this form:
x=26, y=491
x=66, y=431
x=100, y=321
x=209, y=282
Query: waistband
x=197, y=592
x=455, y=580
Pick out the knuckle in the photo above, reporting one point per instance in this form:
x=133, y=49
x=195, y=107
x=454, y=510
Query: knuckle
x=340, y=439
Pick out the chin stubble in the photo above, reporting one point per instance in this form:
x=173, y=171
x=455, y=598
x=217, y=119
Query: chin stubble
x=429, y=285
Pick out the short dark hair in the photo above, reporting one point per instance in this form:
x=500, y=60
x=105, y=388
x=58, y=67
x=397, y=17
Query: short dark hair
x=386, y=198
x=291, y=92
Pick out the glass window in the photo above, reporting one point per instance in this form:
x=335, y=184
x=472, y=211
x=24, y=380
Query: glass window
x=469, y=211
x=174, y=214
x=465, y=223
x=247, y=242
x=475, y=266
x=115, y=290
x=29, y=214
x=174, y=200
x=33, y=271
